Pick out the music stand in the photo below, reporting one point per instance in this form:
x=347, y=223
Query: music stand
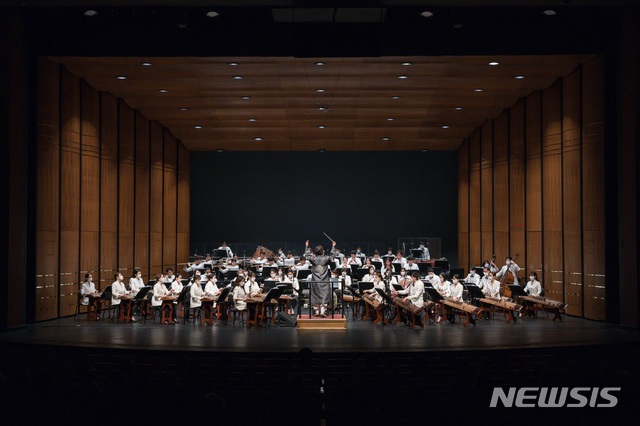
x=303, y=274
x=377, y=264
x=354, y=269
x=479, y=270
x=459, y=271
x=142, y=293
x=442, y=264
x=274, y=293
x=230, y=276
x=397, y=287
x=266, y=270
x=517, y=290
x=287, y=288
x=268, y=285
x=362, y=272
x=220, y=253
x=417, y=253
x=474, y=291
x=396, y=267
x=384, y=295
x=365, y=285
x=433, y=294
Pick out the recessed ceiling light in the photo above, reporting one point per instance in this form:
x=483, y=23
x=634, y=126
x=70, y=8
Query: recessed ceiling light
x=121, y=77
x=402, y=77
x=389, y=118
x=246, y=98
x=322, y=126
x=386, y=138
x=238, y=77
x=90, y=12
x=395, y=97
x=163, y=91
x=458, y=108
x=445, y=126
x=146, y=64
x=197, y=126
x=478, y=90
x=320, y=90
x=212, y=14
x=406, y=64
x=519, y=77
x=233, y=64
x=184, y=109
x=322, y=150
x=494, y=63
x=252, y=120
x=549, y=12
x=426, y=14
x=320, y=64
x=219, y=150
x=424, y=150
x=257, y=139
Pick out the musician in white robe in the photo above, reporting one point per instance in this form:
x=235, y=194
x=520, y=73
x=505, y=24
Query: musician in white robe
x=251, y=287
x=239, y=295
x=401, y=260
x=456, y=289
x=226, y=248
x=510, y=267
x=118, y=289
x=159, y=291
x=425, y=252
x=432, y=279
x=483, y=283
x=211, y=288
x=303, y=264
x=354, y=260
x=416, y=290
x=168, y=276
x=196, y=293
x=135, y=282
x=88, y=287
x=368, y=278
x=289, y=260
x=443, y=286
x=533, y=286
x=378, y=283
x=404, y=279
x=493, y=288
x=472, y=278
x=411, y=265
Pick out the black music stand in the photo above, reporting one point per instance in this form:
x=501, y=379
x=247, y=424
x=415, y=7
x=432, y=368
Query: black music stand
x=303, y=274
x=377, y=264
x=433, y=294
x=287, y=288
x=362, y=272
x=222, y=301
x=230, y=276
x=353, y=269
x=417, y=253
x=274, y=293
x=458, y=271
x=396, y=267
x=268, y=285
x=142, y=293
x=397, y=287
x=266, y=271
x=387, y=305
x=365, y=285
x=517, y=290
x=442, y=264
x=220, y=253
x=474, y=291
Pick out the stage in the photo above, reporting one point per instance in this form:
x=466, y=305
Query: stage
x=281, y=375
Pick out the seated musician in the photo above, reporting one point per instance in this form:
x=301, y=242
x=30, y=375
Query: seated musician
x=400, y=259
x=490, y=265
x=389, y=254
x=118, y=289
x=411, y=265
x=456, y=288
x=425, y=252
x=88, y=287
x=290, y=278
x=387, y=267
x=195, y=294
x=472, y=278
x=389, y=278
x=303, y=264
x=344, y=264
x=271, y=262
x=251, y=287
x=289, y=260
x=404, y=280
x=135, y=282
x=510, y=267
x=416, y=290
x=273, y=276
x=360, y=254
x=239, y=295
x=493, y=288
x=369, y=277
x=233, y=266
x=432, y=279
x=279, y=258
x=224, y=246
x=345, y=278
x=376, y=257
x=168, y=276
x=159, y=291
x=483, y=283
x=443, y=286
x=197, y=265
x=211, y=288
x=377, y=283
x=354, y=260
x=367, y=263
x=533, y=286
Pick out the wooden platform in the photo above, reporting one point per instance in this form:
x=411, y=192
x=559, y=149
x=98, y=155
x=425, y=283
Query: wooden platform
x=306, y=323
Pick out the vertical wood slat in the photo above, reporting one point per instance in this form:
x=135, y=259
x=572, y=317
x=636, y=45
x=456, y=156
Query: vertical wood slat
x=126, y=188
x=552, y=190
x=486, y=191
x=571, y=179
x=90, y=186
x=156, y=176
x=463, y=205
x=69, y=192
x=141, y=255
x=169, y=205
x=517, y=182
x=108, y=190
x=501, y=187
x=593, y=226
x=533, y=185
x=47, y=226
x=184, y=167
x=475, y=236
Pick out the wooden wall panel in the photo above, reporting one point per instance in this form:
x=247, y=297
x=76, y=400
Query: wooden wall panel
x=183, y=225
x=486, y=191
x=500, y=188
x=69, y=192
x=90, y=183
x=533, y=185
x=571, y=180
x=47, y=215
x=463, y=205
x=141, y=255
x=475, y=236
x=593, y=189
x=169, y=205
x=126, y=188
x=517, y=183
x=552, y=191
x=156, y=194
x=108, y=189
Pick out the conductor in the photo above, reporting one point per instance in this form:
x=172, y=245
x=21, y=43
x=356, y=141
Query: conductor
x=320, y=287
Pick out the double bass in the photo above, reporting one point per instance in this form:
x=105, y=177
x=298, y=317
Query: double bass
x=509, y=278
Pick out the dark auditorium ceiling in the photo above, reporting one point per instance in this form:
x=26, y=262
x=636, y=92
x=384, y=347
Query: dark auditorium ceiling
x=285, y=105
x=364, y=45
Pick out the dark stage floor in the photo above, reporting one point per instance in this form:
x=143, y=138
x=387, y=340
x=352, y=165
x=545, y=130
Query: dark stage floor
x=366, y=374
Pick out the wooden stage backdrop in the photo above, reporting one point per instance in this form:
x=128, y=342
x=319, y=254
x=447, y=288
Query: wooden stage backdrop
x=531, y=182
x=113, y=191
